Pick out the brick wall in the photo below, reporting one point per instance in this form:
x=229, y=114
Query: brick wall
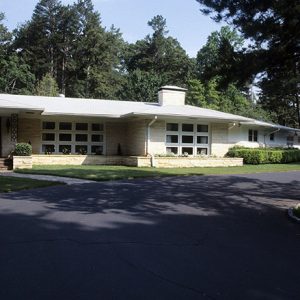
x=136, y=138
x=30, y=130
x=157, y=138
x=219, y=139
x=116, y=133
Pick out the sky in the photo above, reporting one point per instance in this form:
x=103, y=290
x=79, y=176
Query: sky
x=185, y=22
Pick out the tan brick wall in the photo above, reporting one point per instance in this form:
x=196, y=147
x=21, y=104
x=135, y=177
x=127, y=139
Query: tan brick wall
x=136, y=138
x=30, y=130
x=157, y=138
x=7, y=145
x=116, y=133
x=219, y=139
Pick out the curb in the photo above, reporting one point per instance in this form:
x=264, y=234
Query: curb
x=291, y=215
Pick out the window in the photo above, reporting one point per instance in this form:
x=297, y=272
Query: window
x=272, y=136
x=172, y=127
x=81, y=126
x=81, y=149
x=187, y=139
x=97, y=150
x=97, y=127
x=172, y=139
x=187, y=150
x=65, y=126
x=202, y=128
x=48, y=148
x=65, y=137
x=173, y=150
x=202, y=139
x=188, y=127
x=48, y=137
x=66, y=149
x=48, y=125
x=81, y=137
x=201, y=151
x=97, y=138
x=252, y=135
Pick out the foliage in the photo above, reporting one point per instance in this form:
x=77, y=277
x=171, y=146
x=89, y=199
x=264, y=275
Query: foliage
x=265, y=156
x=47, y=86
x=23, y=149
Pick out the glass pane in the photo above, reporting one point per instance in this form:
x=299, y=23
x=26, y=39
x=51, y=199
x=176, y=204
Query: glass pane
x=81, y=137
x=173, y=150
x=172, y=127
x=202, y=128
x=97, y=150
x=187, y=150
x=81, y=149
x=172, y=139
x=250, y=136
x=97, y=138
x=272, y=137
x=188, y=127
x=255, y=135
x=48, y=125
x=201, y=151
x=82, y=126
x=187, y=139
x=202, y=140
x=48, y=137
x=66, y=149
x=48, y=149
x=65, y=137
x=97, y=127
x=65, y=126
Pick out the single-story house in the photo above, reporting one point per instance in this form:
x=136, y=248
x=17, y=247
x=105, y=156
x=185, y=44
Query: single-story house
x=107, y=128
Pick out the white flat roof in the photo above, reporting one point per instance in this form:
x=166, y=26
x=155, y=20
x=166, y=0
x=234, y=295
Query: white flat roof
x=117, y=109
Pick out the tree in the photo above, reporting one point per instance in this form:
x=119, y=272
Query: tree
x=274, y=29
x=47, y=86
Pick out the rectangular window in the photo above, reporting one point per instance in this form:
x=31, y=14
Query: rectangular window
x=187, y=139
x=97, y=127
x=172, y=139
x=48, y=149
x=252, y=135
x=188, y=127
x=201, y=151
x=48, y=125
x=65, y=137
x=172, y=127
x=81, y=149
x=66, y=149
x=48, y=137
x=272, y=136
x=202, y=128
x=81, y=137
x=97, y=138
x=81, y=126
x=202, y=139
x=65, y=126
x=97, y=150
x=187, y=150
x=173, y=150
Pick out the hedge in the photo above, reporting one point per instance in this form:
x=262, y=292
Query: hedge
x=265, y=156
x=23, y=149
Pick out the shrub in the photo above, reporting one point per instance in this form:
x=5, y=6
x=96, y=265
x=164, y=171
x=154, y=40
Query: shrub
x=265, y=156
x=23, y=149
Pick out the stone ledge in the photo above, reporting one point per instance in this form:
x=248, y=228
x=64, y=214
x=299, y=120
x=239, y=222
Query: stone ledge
x=22, y=162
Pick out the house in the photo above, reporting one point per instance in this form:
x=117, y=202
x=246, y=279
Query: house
x=109, y=131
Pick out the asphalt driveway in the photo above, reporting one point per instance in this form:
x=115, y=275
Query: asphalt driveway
x=213, y=237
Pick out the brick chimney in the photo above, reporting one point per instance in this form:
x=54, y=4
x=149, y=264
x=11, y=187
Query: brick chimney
x=171, y=95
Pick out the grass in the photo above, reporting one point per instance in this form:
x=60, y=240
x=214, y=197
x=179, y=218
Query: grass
x=103, y=173
x=10, y=184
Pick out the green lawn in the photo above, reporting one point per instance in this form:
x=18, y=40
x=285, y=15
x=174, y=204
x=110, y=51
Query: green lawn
x=9, y=184
x=102, y=173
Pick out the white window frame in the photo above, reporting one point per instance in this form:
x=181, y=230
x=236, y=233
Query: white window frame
x=73, y=133
x=195, y=134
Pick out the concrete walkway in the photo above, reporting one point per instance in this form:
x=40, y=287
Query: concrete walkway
x=66, y=180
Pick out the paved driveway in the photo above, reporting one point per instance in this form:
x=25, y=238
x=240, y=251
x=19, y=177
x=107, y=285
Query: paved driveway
x=214, y=237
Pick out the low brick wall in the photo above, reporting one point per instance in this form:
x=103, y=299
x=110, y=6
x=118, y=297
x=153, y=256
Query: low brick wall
x=21, y=162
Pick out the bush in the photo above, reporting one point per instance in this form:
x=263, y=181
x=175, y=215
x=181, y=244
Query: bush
x=23, y=149
x=265, y=156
